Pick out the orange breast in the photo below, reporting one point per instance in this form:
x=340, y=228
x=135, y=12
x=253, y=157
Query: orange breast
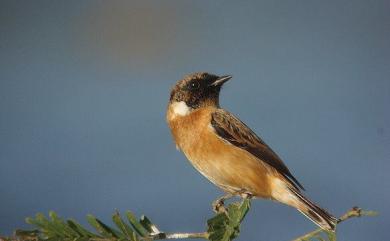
x=229, y=167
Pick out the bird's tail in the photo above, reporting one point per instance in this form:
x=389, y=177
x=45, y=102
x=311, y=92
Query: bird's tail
x=316, y=214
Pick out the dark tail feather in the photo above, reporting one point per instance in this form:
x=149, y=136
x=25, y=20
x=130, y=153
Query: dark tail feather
x=316, y=214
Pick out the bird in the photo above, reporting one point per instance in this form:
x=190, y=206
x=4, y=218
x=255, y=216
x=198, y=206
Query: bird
x=228, y=153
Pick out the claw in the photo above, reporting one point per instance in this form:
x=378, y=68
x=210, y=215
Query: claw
x=219, y=206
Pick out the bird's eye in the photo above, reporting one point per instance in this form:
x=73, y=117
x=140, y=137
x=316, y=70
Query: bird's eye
x=194, y=85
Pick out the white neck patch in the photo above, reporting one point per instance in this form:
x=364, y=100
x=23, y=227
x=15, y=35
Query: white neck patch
x=181, y=108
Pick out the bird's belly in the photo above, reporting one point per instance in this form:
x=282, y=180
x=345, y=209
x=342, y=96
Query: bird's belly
x=229, y=167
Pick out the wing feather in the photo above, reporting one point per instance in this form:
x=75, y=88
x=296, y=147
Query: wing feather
x=230, y=128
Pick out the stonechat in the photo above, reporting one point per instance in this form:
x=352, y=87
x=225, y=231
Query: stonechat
x=228, y=153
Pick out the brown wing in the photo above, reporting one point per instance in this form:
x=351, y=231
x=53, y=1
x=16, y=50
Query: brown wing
x=230, y=128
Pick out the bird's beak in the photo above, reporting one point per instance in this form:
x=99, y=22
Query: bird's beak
x=221, y=80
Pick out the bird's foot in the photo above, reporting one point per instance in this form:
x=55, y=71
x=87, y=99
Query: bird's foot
x=219, y=206
x=246, y=195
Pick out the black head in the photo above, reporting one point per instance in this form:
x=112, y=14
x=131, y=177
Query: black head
x=198, y=90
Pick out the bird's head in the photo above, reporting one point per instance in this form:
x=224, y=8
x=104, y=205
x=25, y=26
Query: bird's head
x=195, y=91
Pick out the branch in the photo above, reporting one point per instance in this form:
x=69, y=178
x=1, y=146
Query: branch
x=224, y=226
x=352, y=213
x=203, y=235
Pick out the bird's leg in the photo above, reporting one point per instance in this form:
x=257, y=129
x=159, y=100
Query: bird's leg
x=218, y=205
x=246, y=195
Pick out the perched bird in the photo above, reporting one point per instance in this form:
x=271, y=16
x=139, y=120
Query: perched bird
x=224, y=150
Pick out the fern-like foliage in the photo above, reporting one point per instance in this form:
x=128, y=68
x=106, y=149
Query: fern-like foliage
x=224, y=226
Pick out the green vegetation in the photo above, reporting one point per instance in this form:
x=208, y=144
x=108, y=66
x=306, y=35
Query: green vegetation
x=224, y=226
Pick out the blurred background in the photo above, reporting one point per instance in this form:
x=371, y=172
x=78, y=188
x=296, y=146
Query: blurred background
x=84, y=87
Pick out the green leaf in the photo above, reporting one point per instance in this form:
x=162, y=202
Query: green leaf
x=136, y=225
x=126, y=229
x=79, y=229
x=331, y=235
x=47, y=228
x=148, y=225
x=226, y=226
x=32, y=221
x=103, y=229
x=61, y=226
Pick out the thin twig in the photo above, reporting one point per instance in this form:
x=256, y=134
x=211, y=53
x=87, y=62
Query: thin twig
x=203, y=235
x=354, y=212
x=159, y=236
